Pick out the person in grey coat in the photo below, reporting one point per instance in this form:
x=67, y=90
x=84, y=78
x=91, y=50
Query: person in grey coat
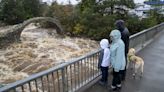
x=120, y=24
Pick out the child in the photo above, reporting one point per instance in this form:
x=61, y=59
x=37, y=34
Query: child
x=104, y=61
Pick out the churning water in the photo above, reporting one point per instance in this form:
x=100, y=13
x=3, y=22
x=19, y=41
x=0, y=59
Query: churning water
x=39, y=50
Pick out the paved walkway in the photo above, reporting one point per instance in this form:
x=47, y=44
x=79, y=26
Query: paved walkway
x=153, y=78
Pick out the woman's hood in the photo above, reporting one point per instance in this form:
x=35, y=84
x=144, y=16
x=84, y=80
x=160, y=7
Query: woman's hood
x=104, y=43
x=115, y=35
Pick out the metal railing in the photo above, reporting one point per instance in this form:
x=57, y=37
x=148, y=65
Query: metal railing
x=67, y=77
x=70, y=76
x=141, y=39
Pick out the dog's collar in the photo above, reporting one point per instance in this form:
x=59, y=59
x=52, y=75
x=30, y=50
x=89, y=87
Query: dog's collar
x=130, y=56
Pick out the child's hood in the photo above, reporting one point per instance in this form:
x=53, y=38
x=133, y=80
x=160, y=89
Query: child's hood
x=104, y=43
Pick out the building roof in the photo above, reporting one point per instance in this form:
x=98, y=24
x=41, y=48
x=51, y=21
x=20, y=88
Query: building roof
x=161, y=2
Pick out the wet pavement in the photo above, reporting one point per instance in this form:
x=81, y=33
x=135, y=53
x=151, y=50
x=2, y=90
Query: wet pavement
x=153, y=77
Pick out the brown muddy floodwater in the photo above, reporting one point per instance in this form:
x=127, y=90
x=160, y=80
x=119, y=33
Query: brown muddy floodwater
x=39, y=50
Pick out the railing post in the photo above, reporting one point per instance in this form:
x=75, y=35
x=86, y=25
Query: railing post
x=64, y=86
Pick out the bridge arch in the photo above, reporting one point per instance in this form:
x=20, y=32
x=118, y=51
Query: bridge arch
x=14, y=34
x=40, y=19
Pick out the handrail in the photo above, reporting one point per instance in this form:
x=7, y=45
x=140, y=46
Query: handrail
x=146, y=30
x=40, y=74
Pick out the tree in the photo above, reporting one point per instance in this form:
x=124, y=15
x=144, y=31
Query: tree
x=16, y=11
x=119, y=7
x=64, y=13
x=97, y=17
x=8, y=11
x=32, y=8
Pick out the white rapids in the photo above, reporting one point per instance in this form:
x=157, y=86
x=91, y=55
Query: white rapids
x=39, y=50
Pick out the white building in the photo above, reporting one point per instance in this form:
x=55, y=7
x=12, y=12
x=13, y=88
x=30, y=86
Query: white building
x=140, y=10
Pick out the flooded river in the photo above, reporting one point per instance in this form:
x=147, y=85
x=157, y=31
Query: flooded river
x=39, y=50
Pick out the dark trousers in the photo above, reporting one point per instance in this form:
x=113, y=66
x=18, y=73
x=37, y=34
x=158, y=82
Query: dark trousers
x=123, y=72
x=104, y=71
x=116, y=78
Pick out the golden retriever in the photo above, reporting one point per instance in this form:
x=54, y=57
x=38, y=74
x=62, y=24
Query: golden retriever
x=136, y=61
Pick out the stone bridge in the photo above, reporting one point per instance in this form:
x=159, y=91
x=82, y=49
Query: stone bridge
x=13, y=34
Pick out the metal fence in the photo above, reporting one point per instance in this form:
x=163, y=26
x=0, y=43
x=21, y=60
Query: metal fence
x=141, y=39
x=71, y=76
x=67, y=77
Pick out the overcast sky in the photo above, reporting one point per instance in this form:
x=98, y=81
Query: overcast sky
x=74, y=1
